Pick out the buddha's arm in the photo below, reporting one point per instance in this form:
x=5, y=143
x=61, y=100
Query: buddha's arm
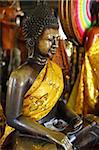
x=18, y=85
x=69, y=115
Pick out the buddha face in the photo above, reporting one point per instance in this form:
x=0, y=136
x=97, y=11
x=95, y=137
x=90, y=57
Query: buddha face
x=48, y=42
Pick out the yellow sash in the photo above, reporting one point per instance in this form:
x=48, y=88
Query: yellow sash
x=44, y=93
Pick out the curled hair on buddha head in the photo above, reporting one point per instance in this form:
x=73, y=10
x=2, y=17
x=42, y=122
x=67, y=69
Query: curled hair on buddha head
x=33, y=25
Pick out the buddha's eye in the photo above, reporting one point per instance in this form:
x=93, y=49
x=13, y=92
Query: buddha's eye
x=58, y=37
x=50, y=40
x=53, y=38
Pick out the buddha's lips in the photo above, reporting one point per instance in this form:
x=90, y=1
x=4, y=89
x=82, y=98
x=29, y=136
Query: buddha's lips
x=51, y=52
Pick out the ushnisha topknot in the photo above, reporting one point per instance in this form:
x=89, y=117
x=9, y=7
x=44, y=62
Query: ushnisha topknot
x=42, y=17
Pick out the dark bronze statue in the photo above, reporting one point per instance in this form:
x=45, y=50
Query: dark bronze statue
x=35, y=106
x=35, y=87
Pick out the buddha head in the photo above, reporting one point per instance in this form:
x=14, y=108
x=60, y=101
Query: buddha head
x=40, y=30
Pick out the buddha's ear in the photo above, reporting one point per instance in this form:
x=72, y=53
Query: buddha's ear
x=30, y=46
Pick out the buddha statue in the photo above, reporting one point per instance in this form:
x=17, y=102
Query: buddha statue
x=36, y=112
x=34, y=102
x=35, y=108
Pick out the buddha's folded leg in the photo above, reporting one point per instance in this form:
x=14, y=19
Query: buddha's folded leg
x=16, y=141
x=23, y=143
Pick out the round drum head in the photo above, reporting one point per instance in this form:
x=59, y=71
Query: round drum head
x=81, y=17
x=75, y=17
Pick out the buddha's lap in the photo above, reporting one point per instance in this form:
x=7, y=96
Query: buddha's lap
x=23, y=142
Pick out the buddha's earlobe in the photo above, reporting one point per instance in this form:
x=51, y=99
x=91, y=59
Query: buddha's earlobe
x=30, y=46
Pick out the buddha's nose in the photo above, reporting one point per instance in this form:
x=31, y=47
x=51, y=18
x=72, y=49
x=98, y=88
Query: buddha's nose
x=55, y=42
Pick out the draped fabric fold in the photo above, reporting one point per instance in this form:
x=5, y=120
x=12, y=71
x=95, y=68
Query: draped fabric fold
x=87, y=88
x=44, y=93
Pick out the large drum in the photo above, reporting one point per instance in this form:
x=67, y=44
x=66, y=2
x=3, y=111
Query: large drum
x=75, y=17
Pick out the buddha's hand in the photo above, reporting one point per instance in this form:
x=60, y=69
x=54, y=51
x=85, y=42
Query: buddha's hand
x=2, y=123
x=61, y=139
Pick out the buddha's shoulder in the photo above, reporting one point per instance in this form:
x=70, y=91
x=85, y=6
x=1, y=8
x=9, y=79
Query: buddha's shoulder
x=23, y=71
